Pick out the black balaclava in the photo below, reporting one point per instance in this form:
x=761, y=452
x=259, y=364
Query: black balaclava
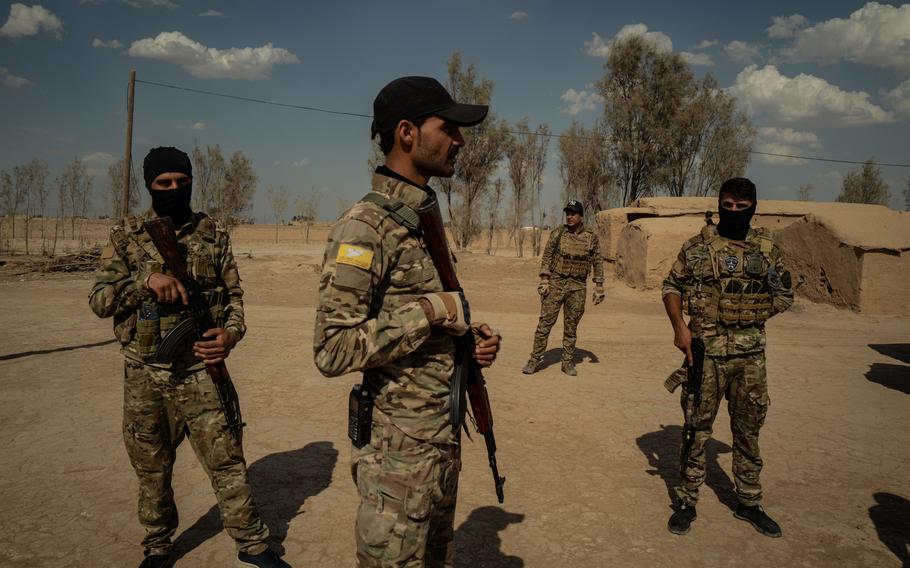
x=735, y=224
x=173, y=203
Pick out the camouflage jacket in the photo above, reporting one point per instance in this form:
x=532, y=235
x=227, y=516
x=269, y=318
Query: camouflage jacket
x=730, y=288
x=121, y=292
x=368, y=317
x=570, y=256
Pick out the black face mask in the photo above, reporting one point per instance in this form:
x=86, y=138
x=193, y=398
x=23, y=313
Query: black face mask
x=735, y=224
x=173, y=203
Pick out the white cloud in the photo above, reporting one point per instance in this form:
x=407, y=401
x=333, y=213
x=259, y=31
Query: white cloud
x=803, y=98
x=701, y=59
x=10, y=80
x=300, y=163
x=876, y=34
x=519, y=15
x=598, y=47
x=580, y=101
x=211, y=14
x=113, y=44
x=742, y=52
x=197, y=126
x=786, y=26
x=28, y=21
x=784, y=141
x=898, y=99
x=98, y=158
x=208, y=62
x=706, y=43
x=138, y=3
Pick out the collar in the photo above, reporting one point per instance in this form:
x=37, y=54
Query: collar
x=398, y=187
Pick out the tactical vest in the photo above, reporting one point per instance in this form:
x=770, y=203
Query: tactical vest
x=573, y=254
x=732, y=285
x=141, y=332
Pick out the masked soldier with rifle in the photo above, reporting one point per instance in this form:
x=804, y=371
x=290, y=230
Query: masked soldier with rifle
x=391, y=307
x=730, y=279
x=170, y=281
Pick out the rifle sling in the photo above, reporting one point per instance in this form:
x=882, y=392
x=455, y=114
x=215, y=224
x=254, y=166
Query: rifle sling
x=398, y=211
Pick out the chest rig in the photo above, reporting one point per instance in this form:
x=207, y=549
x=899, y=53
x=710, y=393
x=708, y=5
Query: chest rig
x=573, y=254
x=154, y=320
x=734, y=278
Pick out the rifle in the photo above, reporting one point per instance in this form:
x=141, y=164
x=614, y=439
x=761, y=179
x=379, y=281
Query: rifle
x=468, y=377
x=162, y=233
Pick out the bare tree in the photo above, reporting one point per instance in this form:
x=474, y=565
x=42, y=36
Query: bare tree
x=278, y=199
x=804, y=193
x=239, y=187
x=584, y=167
x=208, y=176
x=307, y=209
x=8, y=202
x=495, y=201
x=29, y=181
x=907, y=196
x=115, y=188
x=377, y=158
x=77, y=187
x=536, y=164
x=517, y=156
x=478, y=159
x=865, y=185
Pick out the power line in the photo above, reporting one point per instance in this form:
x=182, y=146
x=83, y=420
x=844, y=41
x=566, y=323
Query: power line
x=548, y=135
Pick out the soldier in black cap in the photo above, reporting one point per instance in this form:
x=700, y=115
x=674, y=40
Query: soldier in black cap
x=571, y=252
x=382, y=311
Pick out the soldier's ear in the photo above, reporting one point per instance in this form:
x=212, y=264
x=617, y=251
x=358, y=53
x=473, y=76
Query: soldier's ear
x=405, y=134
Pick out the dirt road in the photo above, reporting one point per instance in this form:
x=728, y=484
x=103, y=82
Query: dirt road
x=589, y=460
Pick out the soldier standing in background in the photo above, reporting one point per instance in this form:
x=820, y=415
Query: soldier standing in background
x=382, y=310
x=730, y=279
x=165, y=402
x=571, y=251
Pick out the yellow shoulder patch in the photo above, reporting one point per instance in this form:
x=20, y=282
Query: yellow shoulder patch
x=355, y=256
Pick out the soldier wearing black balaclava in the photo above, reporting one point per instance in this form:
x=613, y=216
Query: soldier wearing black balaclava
x=165, y=402
x=729, y=279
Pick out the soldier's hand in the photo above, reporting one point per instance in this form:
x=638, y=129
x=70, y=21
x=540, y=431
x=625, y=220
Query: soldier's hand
x=167, y=289
x=217, y=349
x=446, y=310
x=683, y=341
x=486, y=344
x=543, y=288
x=599, y=295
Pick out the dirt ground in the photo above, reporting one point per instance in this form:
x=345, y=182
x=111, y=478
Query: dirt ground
x=590, y=460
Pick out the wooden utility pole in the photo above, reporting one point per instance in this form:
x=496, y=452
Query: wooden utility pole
x=128, y=154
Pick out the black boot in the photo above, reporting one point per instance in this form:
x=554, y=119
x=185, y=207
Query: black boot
x=265, y=559
x=759, y=519
x=681, y=519
x=156, y=561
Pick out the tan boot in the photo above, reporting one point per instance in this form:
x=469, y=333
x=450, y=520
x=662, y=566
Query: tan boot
x=531, y=366
x=568, y=367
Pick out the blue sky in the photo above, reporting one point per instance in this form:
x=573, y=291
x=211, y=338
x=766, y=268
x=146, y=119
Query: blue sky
x=827, y=79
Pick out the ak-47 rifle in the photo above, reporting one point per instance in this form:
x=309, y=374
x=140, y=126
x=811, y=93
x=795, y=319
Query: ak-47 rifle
x=468, y=377
x=694, y=370
x=162, y=233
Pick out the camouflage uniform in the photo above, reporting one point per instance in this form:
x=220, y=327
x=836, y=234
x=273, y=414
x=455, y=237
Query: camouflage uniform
x=730, y=288
x=368, y=319
x=567, y=259
x=163, y=403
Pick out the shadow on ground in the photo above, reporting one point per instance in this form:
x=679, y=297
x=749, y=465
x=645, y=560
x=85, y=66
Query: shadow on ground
x=477, y=542
x=889, y=375
x=891, y=517
x=281, y=482
x=554, y=357
x=661, y=448
x=55, y=350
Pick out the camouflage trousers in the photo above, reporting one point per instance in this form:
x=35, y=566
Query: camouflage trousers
x=408, y=490
x=742, y=380
x=160, y=408
x=572, y=302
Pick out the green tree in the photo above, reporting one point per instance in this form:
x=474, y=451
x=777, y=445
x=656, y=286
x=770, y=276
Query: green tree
x=865, y=185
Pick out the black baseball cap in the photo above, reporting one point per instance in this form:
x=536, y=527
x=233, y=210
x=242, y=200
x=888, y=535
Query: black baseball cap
x=574, y=206
x=410, y=98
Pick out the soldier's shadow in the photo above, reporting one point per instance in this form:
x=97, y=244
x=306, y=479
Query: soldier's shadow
x=891, y=517
x=477, y=542
x=281, y=483
x=889, y=375
x=661, y=448
x=554, y=356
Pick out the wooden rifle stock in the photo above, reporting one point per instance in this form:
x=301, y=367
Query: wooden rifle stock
x=468, y=376
x=164, y=238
